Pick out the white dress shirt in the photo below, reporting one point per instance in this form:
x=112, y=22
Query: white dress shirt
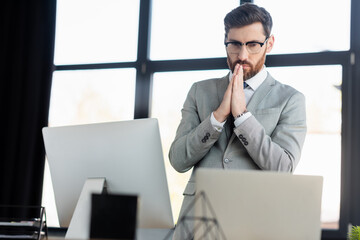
x=253, y=84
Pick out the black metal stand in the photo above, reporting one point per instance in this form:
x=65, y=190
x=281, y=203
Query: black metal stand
x=23, y=222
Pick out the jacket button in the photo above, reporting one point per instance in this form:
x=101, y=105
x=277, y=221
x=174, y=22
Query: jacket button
x=226, y=160
x=208, y=134
x=246, y=143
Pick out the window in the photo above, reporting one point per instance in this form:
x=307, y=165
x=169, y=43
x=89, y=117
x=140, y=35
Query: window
x=100, y=76
x=91, y=31
x=89, y=96
x=188, y=29
x=309, y=26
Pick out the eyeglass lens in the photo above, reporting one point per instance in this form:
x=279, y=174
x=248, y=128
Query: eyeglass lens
x=235, y=48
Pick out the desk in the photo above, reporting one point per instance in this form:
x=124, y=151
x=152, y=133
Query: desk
x=141, y=234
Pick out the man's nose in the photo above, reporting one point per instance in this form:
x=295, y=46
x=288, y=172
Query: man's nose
x=243, y=54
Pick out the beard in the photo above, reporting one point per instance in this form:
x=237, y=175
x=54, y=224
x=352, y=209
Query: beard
x=252, y=71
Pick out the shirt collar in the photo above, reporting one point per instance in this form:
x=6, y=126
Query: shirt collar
x=256, y=80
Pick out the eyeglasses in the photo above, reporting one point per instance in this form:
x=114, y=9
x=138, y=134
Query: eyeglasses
x=253, y=47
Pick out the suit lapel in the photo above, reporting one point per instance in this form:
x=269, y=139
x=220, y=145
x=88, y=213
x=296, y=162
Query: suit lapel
x=260, y=93
x=222, y=84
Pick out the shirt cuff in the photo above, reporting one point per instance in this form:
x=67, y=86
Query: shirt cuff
x=242, y=119
x=218, y=126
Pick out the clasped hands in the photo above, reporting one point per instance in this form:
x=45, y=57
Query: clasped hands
x=234, y=98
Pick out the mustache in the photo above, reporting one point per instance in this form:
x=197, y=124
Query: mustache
x=239, y=62
x=242, y=62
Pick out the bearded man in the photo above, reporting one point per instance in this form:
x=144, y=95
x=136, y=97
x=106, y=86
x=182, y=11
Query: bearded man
x=245, y=120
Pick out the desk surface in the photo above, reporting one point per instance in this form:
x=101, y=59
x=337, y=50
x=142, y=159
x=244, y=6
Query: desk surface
x=141, y=234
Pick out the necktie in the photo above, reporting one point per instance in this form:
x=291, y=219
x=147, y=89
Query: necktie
x=245, y=84
x=230, y=121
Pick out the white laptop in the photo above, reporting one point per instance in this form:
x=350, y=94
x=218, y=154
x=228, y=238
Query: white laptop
x=128, y=154
x=258, y=205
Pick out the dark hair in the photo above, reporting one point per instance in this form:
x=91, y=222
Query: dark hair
x=247, y=14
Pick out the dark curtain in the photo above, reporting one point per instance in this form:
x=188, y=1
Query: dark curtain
x=26, y=51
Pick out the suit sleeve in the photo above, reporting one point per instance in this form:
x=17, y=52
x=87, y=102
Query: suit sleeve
x=194, y=137
x=281, y=151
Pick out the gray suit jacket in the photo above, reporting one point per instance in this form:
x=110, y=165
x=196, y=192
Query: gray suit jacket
x=271, y=139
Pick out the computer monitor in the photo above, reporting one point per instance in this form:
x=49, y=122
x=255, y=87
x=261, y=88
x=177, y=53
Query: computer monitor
x=128, y=154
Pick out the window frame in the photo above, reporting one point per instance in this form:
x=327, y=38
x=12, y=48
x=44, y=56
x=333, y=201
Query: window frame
x=349, y=60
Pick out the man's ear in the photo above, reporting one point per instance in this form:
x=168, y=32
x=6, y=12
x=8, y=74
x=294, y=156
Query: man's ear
x=270, y=43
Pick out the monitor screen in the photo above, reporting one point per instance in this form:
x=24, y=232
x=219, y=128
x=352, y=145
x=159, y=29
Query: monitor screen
x=128, y=154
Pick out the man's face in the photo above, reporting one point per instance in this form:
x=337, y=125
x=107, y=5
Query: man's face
x=252, y=62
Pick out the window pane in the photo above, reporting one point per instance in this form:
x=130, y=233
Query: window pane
x=93, y=31
x=89, y=96
x=188, y=29
x=321, y=154
x=309, y=26
x=169, y=93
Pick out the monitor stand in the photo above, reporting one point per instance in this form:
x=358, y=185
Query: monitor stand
x=79, y=227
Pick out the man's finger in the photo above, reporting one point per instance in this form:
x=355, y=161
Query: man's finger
x=240, y=77
x=235, y=74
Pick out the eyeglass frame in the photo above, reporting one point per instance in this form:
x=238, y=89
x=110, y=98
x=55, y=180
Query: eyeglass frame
x=242, y=44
